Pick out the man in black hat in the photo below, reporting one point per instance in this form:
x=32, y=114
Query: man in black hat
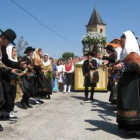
x=111, y=59
x=89, y=64
x=28, y=78
x=110, y=52
x=6, y=38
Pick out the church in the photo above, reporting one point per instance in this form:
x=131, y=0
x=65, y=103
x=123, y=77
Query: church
x=96, y=24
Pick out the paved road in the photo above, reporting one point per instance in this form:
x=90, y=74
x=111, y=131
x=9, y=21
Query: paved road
x=66, y=117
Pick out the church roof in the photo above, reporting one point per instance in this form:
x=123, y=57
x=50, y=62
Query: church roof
x=95, y=18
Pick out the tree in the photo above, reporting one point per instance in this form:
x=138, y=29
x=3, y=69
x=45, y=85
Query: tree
x=21, y=46
x=66, y=55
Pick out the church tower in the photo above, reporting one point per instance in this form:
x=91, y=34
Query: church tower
x=96, y=23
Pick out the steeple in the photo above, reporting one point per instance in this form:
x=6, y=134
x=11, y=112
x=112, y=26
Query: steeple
x=95, y=18
x=96, y=23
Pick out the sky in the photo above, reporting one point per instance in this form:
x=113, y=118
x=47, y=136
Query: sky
x=68, y=18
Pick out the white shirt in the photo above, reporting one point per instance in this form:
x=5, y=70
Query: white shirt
x=60, y=68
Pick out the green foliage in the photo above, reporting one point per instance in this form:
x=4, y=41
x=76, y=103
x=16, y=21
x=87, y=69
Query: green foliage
x=66, y=55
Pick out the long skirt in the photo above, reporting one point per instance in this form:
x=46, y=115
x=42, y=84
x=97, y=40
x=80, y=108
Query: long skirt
x=41, y=85
x=9, y=89
x=110, y=83
x=113, y=95
x=128, y=104
x=28, y=85
x=2, y=99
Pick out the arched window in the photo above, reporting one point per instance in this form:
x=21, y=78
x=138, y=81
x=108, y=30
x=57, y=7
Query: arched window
x=101, y=30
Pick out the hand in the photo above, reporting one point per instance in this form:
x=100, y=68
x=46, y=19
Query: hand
x=23, y=65
x=90, y=64
x=30, y=67
x=118, y=66
x=86, y=75
x=13, y=70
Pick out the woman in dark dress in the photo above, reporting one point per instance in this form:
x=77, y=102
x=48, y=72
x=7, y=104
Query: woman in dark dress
x=40, y=89
x=89, y=64
x=28, y=79
x=9, y=82
x=115, y=74
x=48, y=71
x=128, y=105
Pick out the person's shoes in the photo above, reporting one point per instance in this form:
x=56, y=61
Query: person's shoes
x=134, y=134
x=14, y=117
x=23, y=105
x=1, y=128
x=49, y=97
x=64, y=91
x=41, y=102
x=11, y=116
x=4, y=118
x=14, y=111
x=91, y=98
x=86, y=99
x=29, y=106
x=37, y=103
x=113, y=103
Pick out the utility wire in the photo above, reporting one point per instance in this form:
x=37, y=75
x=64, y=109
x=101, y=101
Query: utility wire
x=44, y=24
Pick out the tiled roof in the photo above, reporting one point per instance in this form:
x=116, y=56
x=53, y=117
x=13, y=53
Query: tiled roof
x=113, y=44
x=115, y=39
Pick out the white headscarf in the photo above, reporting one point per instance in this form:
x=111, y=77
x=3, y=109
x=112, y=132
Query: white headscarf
x=9, y=53
x=47, y=63
x=131, y=45
x=118, y=51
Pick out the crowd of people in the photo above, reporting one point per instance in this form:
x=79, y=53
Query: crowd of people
x=124, y=81
x=38, y=76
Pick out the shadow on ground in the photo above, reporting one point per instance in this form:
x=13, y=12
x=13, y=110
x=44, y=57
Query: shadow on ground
x=106, y=108
x=107, y=127
x=79, y=98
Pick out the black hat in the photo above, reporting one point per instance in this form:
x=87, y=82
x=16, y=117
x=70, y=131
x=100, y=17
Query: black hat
x=109, y=47
x=28, y=49
x=10, y=35
x=90, y=53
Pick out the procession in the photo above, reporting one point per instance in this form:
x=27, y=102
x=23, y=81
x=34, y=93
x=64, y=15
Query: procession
x=106, y=73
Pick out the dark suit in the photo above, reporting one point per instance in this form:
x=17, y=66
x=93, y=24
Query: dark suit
x=111, y=59
x=86, y=70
